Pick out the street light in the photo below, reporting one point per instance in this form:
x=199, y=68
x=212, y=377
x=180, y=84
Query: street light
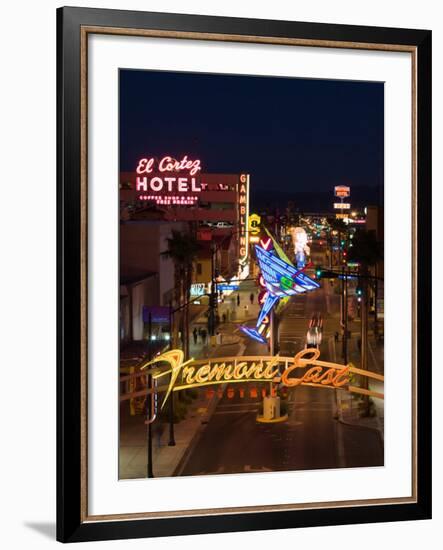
x=213, y=295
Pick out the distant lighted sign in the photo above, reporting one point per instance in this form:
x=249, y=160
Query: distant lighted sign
x=243, y=216
x=266, y=243
x=301, y=248
x=342, y=205
x=254, y=239
x=280, y=279
x=342, y=191
x=168, y=181
x=198, y=289
x=254, y=224
x=225, y=287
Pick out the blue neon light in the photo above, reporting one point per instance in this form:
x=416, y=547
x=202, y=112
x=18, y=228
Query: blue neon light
x=254, y=334
x=281, y=279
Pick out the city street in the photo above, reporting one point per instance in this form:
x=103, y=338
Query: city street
x=222, y=435
x=233, y=441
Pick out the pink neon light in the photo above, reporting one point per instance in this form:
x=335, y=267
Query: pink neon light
x=169, y=164
x=168, y=200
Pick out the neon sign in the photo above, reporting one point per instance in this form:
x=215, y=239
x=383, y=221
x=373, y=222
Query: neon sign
x=254, y=224
x=167, y=176
x=342, y=191
x=243, y=215
x=301, y=248
x=168, y=200
x=169, y=184
x=281, y=280
x=305, y=369
x=168, y=164
x=266, y=244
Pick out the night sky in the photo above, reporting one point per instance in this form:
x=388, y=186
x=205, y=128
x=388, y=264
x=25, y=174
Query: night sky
x=292, y=135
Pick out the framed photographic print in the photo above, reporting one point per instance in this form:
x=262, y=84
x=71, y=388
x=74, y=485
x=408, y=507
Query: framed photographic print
x=244, y=255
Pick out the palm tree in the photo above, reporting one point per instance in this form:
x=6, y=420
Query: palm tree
x=182, y=250
x=367, y=251
x=336, y=224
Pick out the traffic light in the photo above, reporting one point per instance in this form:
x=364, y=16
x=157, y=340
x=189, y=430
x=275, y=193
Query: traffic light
x=359, y=291
x=213, y=300
x=318, y=272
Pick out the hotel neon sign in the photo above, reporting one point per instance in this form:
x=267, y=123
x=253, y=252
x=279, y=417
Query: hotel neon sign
x=305, y=369
x=170, y=176
x=168, y=164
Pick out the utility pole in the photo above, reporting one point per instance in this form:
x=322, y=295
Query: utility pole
x=150, y=419
x=364, y=336
x=271, y=344
x=150, y=413
x=213, y=295
x=171, y=442
x=345, y=317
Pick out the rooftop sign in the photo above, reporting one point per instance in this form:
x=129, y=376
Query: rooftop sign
x=168, y=181
x=243, y=217
x=342, y=191
x=303, y=369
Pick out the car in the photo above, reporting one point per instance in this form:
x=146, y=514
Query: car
x=222, y=225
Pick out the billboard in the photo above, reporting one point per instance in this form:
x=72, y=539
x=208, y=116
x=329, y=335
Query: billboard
x=168, y=181
x=342, y=191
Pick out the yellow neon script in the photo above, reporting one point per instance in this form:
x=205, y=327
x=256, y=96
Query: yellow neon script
x=195, y=373
x=322, y=372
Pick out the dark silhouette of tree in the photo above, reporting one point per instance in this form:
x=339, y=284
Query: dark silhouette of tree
x=367, y=251
x=182, y=250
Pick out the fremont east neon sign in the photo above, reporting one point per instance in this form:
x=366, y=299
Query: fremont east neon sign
x=305, y=369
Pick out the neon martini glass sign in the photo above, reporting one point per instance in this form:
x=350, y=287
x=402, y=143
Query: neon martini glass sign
x=281, y=280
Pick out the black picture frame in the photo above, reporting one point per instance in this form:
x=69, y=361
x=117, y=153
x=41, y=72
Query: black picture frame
x=72, y=526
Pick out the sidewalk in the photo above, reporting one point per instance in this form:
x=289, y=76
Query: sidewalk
x=167, y=459
x=231, y=311
x=348, y=411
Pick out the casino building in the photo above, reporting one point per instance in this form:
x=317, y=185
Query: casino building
x=162, y=195
x=215, y=205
